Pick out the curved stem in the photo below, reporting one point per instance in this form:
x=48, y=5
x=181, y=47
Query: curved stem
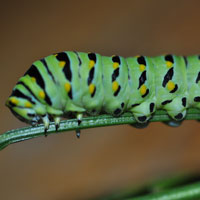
x=26, y=133
x=191, y=191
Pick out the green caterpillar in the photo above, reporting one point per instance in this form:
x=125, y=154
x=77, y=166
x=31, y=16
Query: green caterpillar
x=87, y=83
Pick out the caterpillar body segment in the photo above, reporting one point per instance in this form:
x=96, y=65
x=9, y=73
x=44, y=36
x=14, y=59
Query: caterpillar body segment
x=171, y=85
x=115, y=84
x=193, y=81
x=87, y=83
x=142, y=97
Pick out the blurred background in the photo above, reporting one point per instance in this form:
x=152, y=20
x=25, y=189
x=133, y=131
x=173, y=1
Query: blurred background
x=104, y=159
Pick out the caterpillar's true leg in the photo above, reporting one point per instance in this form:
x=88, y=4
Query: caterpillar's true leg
x=45, y=120
x=79, y=117
x=78, y=133
x=57, y=122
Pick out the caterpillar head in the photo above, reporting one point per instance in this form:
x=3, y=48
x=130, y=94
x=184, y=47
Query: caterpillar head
x=23, y=110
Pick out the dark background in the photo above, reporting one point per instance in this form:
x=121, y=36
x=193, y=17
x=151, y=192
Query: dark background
x=104, y=159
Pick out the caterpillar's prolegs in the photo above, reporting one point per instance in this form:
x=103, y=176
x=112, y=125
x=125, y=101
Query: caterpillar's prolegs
x=79, y=117
x=45, y=120
x=57, y=122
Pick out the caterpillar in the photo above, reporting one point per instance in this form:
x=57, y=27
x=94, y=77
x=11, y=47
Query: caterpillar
x=75, y=83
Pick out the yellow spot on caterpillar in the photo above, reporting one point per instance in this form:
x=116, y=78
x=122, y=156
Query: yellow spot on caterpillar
x=91, y=64
x=142, y=67
x=170, y=85
x=115, y=86
x=42, y=94
x=143, y=89
x=55, y=54
x=137, y=56
x=33, y=79
x=91, y=88
x=28, y=105
x=14, y=101
x=67, y=87
x=62, y=63
x=169, y=64
x=115, y=65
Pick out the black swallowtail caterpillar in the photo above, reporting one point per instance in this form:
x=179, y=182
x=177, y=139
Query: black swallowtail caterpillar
x=87, y=83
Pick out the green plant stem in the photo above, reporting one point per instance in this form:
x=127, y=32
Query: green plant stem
x=191, y=191
x=26, y=133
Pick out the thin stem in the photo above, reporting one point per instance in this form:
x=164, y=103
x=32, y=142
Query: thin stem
x=26, y=133
x=191, y=191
